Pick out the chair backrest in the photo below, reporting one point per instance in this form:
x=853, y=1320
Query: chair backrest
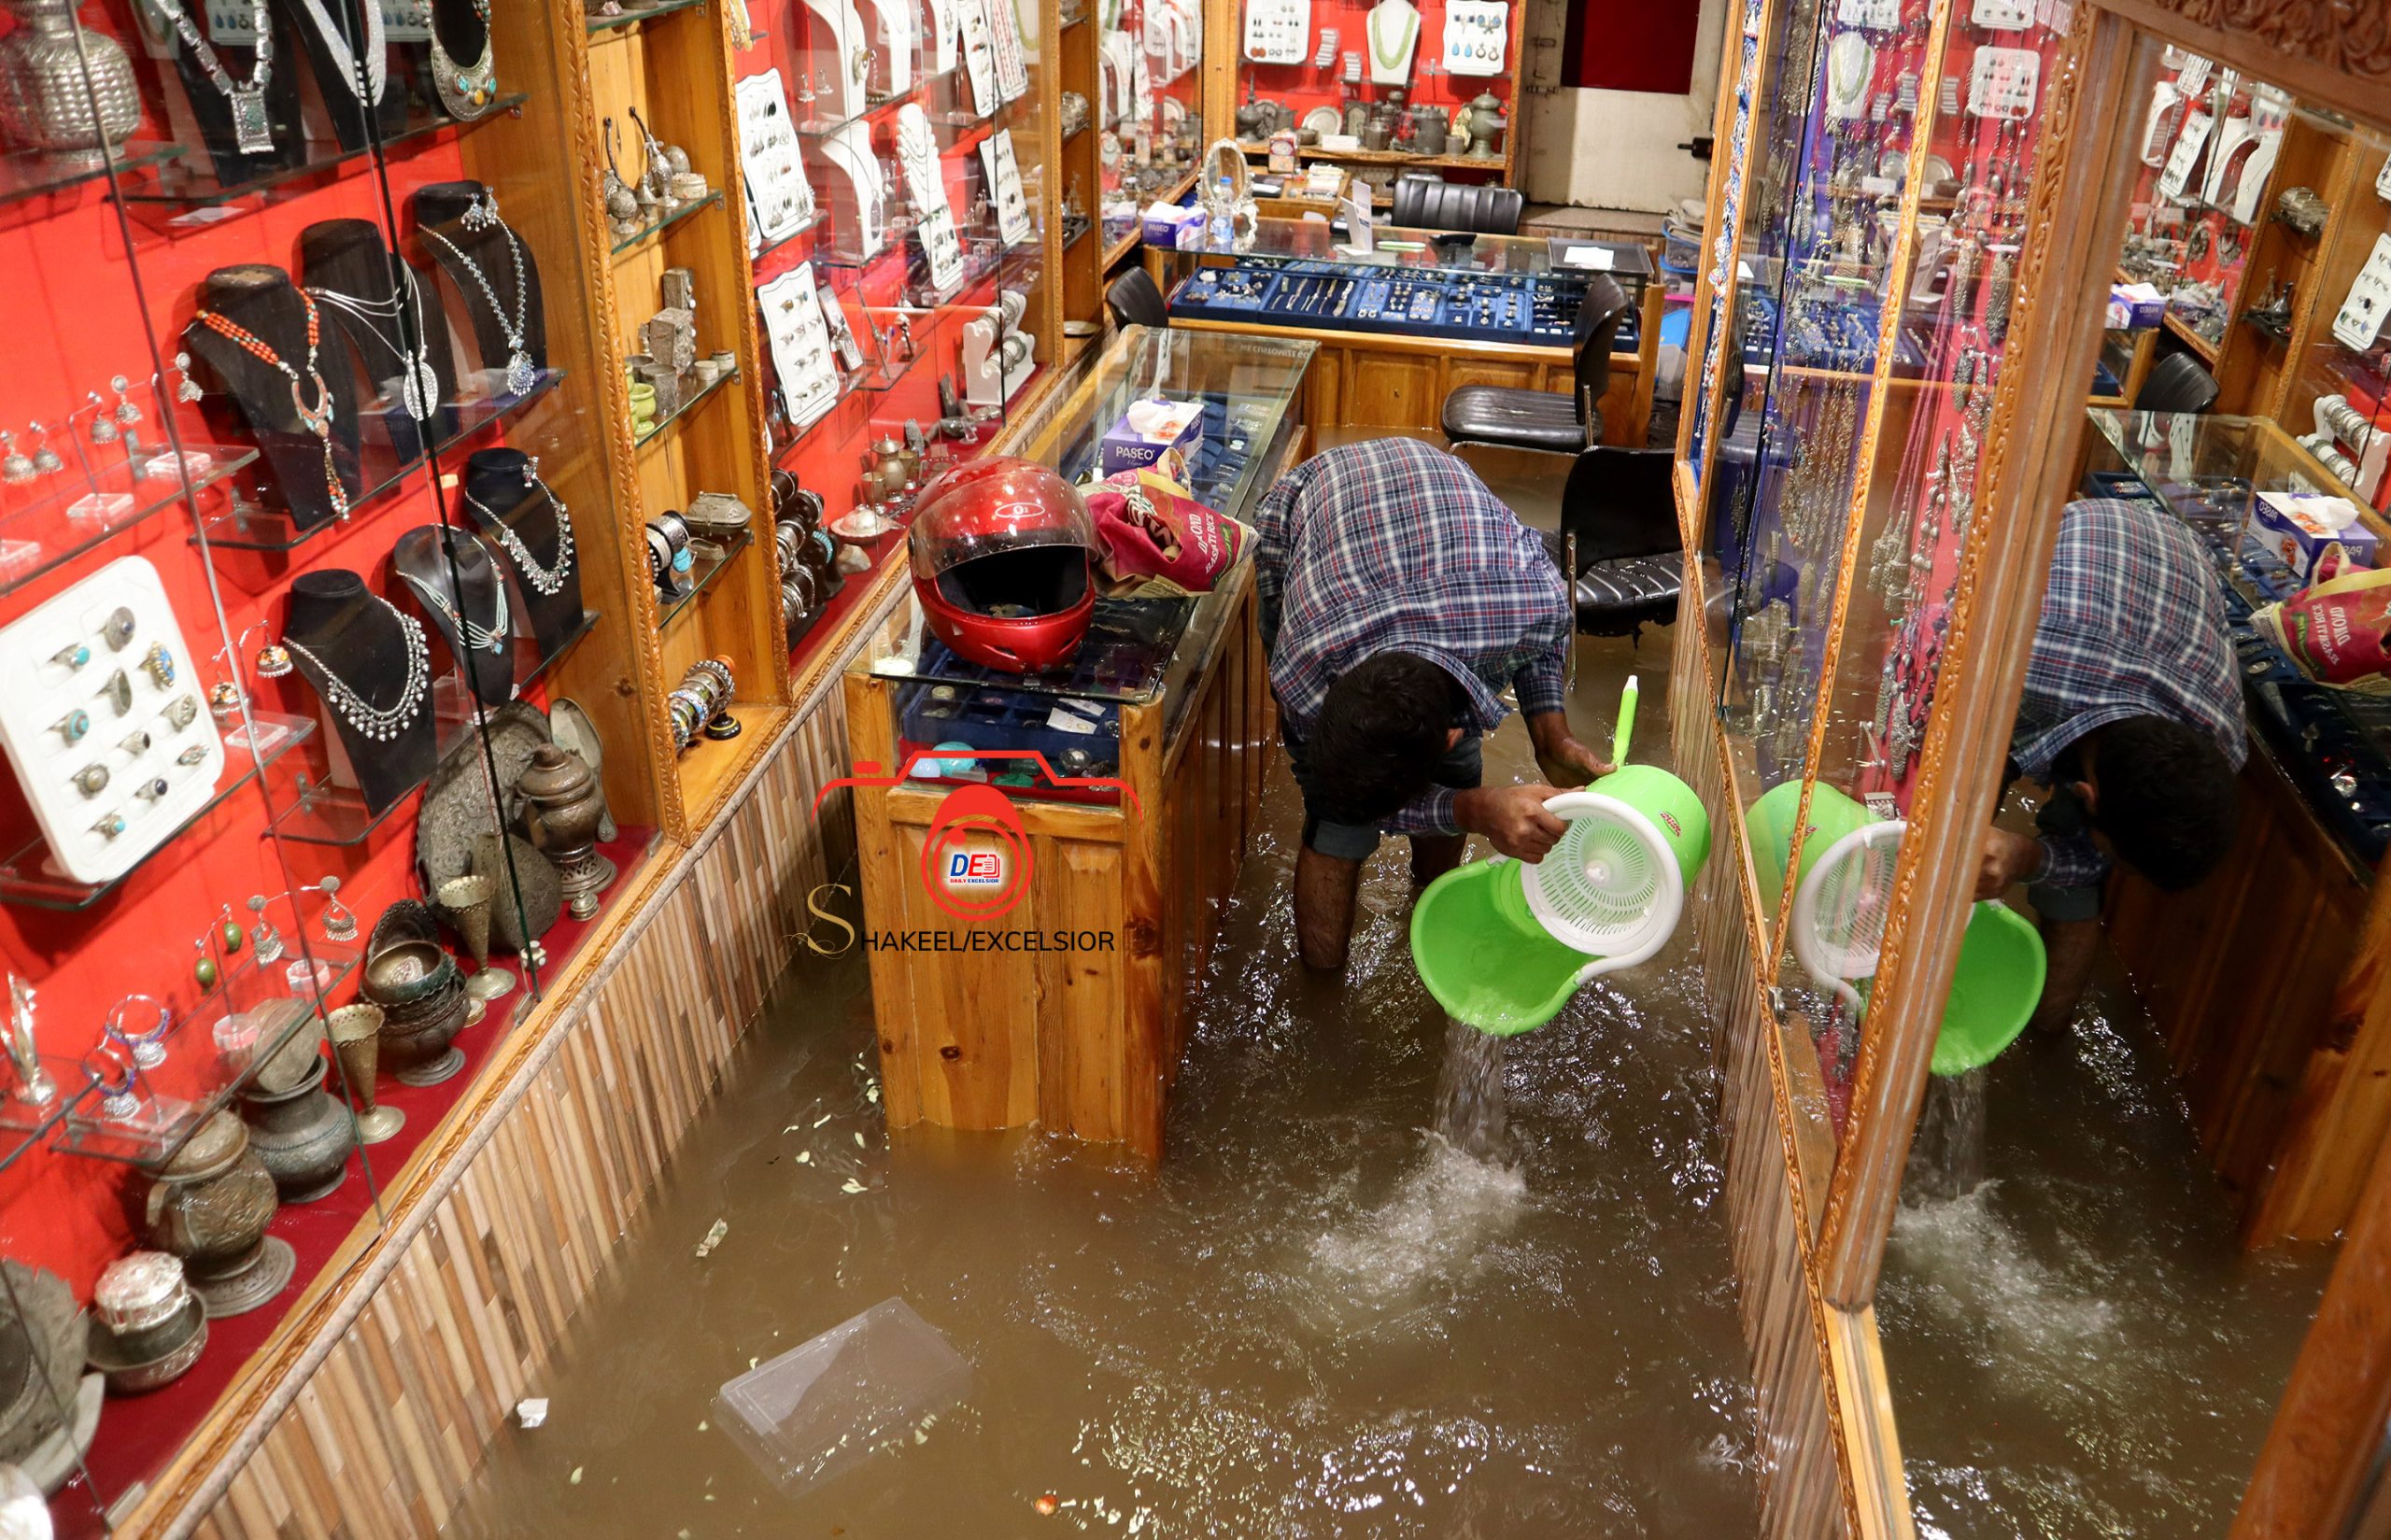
x=1423, y=205
x=1134, y=300
x=1619, y=503
x=2177, y=382
x=1599, y=318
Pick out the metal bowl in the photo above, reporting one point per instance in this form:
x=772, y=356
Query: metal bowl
x=150, y=1359
x=407, y=971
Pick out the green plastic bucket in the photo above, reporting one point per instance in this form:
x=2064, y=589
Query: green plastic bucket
x=1487, y=959
x=1832, y=815
x=1994, y=989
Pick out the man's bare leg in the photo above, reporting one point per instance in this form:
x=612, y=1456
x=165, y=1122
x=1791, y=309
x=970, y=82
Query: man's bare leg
x=1324, y=890
x=1434, y=854
x=2070, y=946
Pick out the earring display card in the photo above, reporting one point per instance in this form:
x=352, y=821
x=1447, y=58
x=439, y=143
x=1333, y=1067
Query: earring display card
x=778, y=195
x=2005, y=83
x=946, y=37
x=842, y=335
x=1477, y=36
x=1277, y=32
x=1004, y=178
x=800, y=344
x=2362, y=314
x=1004, y=32
x=102, y=721
x=979, y=55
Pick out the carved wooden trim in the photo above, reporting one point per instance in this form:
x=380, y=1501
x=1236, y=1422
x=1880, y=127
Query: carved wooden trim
x=2327, y=53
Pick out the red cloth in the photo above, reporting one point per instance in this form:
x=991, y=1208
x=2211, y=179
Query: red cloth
x=1152, y=527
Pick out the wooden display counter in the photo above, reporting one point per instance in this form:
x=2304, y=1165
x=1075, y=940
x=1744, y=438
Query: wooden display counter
x=2266, y=980
x=1070, y=1008
x=1369, y=379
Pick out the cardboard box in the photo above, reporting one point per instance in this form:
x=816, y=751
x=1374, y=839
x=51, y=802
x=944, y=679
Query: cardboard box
x=1163, y=221
x=2316, y=537
x=2135, y=306
x=1148, y=431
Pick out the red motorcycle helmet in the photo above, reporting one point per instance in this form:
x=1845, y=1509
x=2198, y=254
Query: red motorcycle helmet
x=1001, y=550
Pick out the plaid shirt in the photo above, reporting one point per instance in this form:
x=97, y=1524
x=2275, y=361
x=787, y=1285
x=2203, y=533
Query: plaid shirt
x=2132, y=626
x=1392, y=545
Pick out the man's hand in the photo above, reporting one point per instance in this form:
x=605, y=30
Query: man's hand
x=1513, y=817
x=2007, y=860
x=1565, y=761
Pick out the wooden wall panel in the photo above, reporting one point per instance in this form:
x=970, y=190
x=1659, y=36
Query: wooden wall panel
x=384, y=1431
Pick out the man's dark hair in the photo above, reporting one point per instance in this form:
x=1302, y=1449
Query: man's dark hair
x=1380, y=735
x=2165, y=799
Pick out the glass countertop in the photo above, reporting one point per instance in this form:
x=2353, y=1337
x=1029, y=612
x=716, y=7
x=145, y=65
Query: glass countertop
x=1443, y=252
x=2163, y=447
x=1248, y=387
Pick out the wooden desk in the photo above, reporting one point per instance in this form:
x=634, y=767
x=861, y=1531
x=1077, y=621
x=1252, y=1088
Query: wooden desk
x=1084, y=1041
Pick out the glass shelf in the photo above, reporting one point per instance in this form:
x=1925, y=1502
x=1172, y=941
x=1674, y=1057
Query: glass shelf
x=29, y=880
x=703, y=570
x=28, y=549
x=822, y=128
x=26, y=1125
x=808, y=228
x=195, y=1082
x=848, y=385
x=530, y=662
x=665, y=423
x=250, y=527
x=649, y=232
x=30, y=174
x=321, y=813
x=182, y=184
x=645, y=13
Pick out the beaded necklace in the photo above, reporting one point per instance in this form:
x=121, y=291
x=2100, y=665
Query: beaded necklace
x=317, y=419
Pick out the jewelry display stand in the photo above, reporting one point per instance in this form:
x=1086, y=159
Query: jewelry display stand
x=526, y=524
x=200, y=110
x=372, y=673
x=460, y=588
x=493, y=280
x=837, y=62
x=345, y=84
x=779, y=201
x=391, y=317
x=283, y=395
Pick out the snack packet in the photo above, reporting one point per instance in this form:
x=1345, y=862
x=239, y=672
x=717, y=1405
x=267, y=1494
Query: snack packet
x=1157, y=537
x=2337, y=632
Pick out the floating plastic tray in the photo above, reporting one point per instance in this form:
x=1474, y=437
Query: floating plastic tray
x=865, y=1386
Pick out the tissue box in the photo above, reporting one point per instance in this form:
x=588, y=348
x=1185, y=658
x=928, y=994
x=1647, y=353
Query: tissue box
x=2318, y=538
x=1163, y=221
x=1148, y=431
x=2135, y=306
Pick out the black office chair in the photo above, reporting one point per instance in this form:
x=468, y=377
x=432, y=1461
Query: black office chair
x=1618, y=506
x=1134, y=300
x=1547, y=419
x=2177, y=382
x=1423, y=205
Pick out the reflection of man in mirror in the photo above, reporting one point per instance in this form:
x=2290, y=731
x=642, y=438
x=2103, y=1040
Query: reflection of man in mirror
x=2132, y=715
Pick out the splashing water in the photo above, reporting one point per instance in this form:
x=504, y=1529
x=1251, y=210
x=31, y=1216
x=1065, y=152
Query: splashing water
x=1470, y=1110
x=1947, y=1153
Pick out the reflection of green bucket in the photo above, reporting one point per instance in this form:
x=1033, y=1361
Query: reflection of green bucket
x=1994, y=989
x=1832, y=815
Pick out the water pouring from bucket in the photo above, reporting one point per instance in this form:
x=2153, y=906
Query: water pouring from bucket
x=1502, y=945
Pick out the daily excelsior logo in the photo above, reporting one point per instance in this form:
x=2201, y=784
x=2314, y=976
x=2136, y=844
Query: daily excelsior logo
x=976, y=861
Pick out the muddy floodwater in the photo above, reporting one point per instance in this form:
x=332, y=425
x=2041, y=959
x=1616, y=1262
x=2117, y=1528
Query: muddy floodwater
x=1317, y=1319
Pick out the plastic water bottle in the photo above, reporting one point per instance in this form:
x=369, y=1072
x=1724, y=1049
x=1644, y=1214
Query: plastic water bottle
x=1220, y=230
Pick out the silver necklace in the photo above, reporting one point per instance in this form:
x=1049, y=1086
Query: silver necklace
x=381, y=724
x=252, y=125
x=544, y=581
x=490, y=638
x=521, y=376
x=467, y=89
x=366, y=86
x=418, y=384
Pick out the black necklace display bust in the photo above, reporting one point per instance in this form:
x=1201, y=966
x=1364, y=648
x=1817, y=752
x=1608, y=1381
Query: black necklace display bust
x=394, y=324
x=499, y=294
x=325, y=29
x=370, y=666
x=534, y=532
x=457, y=583
x=275, y=403
x=210, y=111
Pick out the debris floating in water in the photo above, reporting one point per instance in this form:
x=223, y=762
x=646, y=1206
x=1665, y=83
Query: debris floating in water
x=713, y=1238
x=1048, y=1503
x=531, y=1411
x=574, y=1479
x=851, y=1185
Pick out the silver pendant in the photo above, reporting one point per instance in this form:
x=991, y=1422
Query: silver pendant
x=419, y=388
x=521, y=376
x=252, y=125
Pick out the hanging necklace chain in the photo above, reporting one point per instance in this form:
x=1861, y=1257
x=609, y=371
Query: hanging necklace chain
x=1403, y=43
x=201, y=50
x=513, y=329
x=492, y=638
x=378, y=723
x=419, y=383
x=365, y=77
x=544, y=581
